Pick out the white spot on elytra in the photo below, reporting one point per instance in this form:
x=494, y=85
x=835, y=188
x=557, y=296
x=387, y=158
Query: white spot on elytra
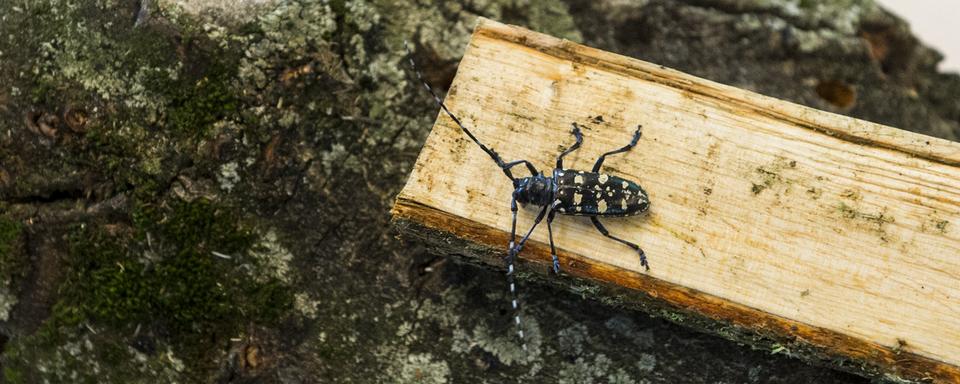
x=625, y=184
x=603, y=179
x=602, y=206
x=578, y=179
x=577, y=198
x=623, y=205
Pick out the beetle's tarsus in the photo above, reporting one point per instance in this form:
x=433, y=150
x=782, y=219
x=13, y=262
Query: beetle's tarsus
x=636, y=135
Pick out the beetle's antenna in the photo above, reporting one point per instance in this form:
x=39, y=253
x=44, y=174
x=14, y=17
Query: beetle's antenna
x=493, y=154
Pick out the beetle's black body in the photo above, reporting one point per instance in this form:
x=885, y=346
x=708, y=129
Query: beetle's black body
x=567, y=191
x=578, y=193
x=582, y=193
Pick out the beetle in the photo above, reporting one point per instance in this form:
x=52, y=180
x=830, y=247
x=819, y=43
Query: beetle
x=566, y=191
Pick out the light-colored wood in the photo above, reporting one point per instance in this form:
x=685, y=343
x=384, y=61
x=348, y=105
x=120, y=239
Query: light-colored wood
x=821, y=221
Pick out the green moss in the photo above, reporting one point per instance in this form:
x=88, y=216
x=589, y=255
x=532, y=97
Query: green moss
x=207, y=102
x=674, y=317
x=151, y=92
x=197, y=103
x=11, y=265
x=12, y=376
x=180, y=290
x=9, y=233
x=188, y=291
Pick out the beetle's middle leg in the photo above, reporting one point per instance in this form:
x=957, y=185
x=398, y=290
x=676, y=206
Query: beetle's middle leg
x=636, y=138
x=603, y=230
x=576, y=133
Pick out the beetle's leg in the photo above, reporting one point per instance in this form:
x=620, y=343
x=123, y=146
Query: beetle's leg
x=512, y=256
x=636, y=138
x=506, y=167
x=536, y=222
x=553, y=249
x=600, y=227
x=513, y=234
x=579, y=136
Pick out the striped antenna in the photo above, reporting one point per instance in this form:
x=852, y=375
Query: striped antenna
x=493, y=154
x=514, y=249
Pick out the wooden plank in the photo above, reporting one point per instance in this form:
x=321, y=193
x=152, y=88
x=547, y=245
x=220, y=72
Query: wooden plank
x=800, y=224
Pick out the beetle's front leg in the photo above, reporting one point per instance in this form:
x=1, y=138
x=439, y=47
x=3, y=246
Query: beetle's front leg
x=511, y=254
x=506, y=168
x=553, y=249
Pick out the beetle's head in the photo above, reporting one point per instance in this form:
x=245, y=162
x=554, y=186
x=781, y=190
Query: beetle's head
x=536, y=190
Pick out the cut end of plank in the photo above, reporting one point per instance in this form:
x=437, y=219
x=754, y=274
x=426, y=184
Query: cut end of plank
x=810, y=229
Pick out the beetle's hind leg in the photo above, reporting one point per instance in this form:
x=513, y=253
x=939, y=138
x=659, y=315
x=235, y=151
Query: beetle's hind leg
x=579, y=136
x=603, y=230
x=636, y=138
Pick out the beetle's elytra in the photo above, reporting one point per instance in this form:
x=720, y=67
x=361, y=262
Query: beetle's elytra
x=597, y=194
x=566, y=191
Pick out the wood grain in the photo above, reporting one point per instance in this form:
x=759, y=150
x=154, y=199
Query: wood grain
x=819, y=227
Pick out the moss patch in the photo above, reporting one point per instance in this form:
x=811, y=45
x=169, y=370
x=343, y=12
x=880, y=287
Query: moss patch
x=196, y=104
x=11, y=265
x=159, y=278
x=9, y=233
x=189, y=291
x=150, y=94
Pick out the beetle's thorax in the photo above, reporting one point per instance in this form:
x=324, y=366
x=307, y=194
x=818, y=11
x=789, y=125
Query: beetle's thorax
x=538, y=190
